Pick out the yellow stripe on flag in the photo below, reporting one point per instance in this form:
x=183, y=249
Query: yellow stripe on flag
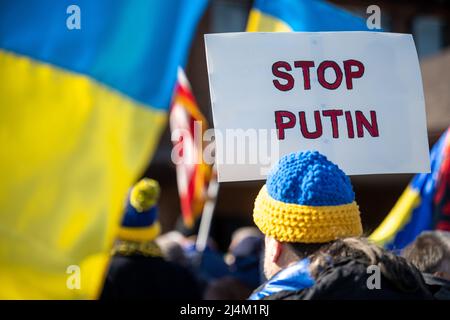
x=260, y=22
x=397, y=217
x=70, y=149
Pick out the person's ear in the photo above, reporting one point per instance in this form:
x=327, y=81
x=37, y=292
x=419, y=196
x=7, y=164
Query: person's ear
x=277, y=252
x=276, y=248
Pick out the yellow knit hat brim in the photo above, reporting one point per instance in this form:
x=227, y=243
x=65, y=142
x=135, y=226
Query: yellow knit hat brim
x=288, y=222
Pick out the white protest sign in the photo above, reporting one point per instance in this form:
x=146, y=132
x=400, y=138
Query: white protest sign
x=356, y=97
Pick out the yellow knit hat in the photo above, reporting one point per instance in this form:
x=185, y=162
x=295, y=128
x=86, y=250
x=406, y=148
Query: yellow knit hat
x=307, y=199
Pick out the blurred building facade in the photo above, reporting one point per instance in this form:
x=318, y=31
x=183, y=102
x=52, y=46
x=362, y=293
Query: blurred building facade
x=428, y=21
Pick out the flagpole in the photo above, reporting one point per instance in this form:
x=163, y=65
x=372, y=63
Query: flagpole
x=207, y=213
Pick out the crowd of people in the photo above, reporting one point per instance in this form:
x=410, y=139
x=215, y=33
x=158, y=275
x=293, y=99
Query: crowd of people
x=307, y=244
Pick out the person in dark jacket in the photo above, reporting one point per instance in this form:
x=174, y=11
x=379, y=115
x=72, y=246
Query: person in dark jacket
x=308, y=213
x=430, y=253
x=355, y=269
x=137, y=269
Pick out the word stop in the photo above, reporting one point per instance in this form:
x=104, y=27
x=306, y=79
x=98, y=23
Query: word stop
x=284, y=72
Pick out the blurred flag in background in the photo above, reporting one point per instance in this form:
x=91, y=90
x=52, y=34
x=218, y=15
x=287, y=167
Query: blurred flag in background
x=301, y=15
x=187, y=125
x=415, y=211
x=81, y=111
x=441, y=199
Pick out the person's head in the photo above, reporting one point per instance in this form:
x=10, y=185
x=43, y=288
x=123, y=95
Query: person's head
x=430, y=253
x=244, y=256
x=245, y=242
x=171, y=244
x=243, y=234
x=306, y=203
x=140, y=222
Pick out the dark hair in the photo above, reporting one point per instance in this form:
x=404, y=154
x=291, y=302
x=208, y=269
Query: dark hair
x=429, y=251
x=397, y=270
x=304, y=250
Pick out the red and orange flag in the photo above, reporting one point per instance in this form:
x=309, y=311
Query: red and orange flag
x=187, y=125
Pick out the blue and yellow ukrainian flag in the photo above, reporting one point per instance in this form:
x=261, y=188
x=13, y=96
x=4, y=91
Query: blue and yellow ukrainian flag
x=301, y=15
x=81, y=112
x=413, y=212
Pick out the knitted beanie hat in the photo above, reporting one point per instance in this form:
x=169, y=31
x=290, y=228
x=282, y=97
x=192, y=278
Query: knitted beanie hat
x=307, y=199
x=140, y=222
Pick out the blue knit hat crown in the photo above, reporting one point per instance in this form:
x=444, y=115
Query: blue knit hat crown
x=309, y=178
